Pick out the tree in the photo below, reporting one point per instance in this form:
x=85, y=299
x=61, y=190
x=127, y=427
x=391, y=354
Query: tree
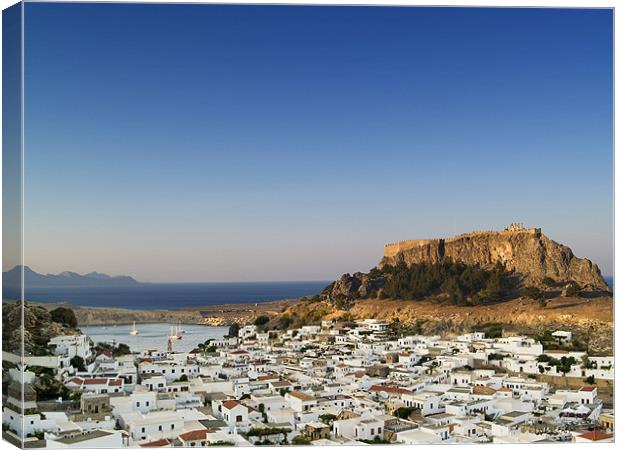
x=261, y=320
x=573, y=290
x=590, y=379
x=121, y=349
x=183, y=377
x=404, y=412
x=78, y=363
x=300, y=440
x=327, y=419
x=532, y=292
x=233, y=330
x=64, y=316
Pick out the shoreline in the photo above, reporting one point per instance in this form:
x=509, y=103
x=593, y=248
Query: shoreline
x=208, y=315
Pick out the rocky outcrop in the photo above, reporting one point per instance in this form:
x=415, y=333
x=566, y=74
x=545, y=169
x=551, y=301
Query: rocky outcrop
x=348, y=287
x=531, y=254
x=38, y=327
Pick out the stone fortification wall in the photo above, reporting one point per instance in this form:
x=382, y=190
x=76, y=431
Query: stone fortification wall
x=394, y=248
x=525, y=250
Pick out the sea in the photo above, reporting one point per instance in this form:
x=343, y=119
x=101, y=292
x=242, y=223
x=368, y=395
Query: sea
x=153, y=335
x=172, y=295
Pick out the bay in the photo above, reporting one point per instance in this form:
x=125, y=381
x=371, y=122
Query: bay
x=154, y=335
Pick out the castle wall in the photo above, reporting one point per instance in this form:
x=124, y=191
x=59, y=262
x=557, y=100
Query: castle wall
x=391, y=250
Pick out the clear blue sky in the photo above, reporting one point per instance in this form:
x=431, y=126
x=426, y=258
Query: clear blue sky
x=219, y=143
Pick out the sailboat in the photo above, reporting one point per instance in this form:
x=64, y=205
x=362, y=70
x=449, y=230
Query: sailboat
x=179, y=332
x=134, y=330
x=173, y=336
x=179, y=329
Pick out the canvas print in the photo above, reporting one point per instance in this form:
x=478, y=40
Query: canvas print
x=238, y=225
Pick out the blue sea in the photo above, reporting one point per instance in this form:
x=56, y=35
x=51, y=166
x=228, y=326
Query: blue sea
x=172, y=295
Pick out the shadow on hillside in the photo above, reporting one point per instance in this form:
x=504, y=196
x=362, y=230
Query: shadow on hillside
x=595, y=294
x=564, y=305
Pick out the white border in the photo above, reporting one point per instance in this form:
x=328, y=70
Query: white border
x=477, y=3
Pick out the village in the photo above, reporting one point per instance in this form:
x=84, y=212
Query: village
x=331, y=384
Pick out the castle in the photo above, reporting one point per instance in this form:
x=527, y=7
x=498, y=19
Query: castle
x=393, y=249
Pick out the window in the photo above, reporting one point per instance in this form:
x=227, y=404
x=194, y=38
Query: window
x=143, y=429
x=172, y=427
x=147, y=403
x=239, y=418
x=161, y=428
x=137, y=404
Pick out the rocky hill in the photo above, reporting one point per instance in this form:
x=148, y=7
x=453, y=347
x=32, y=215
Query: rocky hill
x=501, y=263
x=531, y=254
x=39, y=326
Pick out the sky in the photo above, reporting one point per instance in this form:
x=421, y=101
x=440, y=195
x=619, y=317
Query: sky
x=237, y=143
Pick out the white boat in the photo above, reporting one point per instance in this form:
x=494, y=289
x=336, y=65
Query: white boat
x=179, y=329
x=134, y=330
x=173, y=336
x=178, y=333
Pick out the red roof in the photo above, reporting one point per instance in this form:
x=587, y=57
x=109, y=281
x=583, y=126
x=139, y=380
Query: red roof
x=230, y=404
x=358, y=374
x=483, y=390
x=76, y=380
x=195, y=351
x=587, y=388
x=596, y=435
x=116, y=382
x=196, y=435
x=158, y=443
x=389, y=389
x=96, y=381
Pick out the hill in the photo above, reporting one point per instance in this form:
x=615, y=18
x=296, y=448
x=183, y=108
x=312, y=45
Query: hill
x=590, y=319
x=473, y=269
x=512, y=281
x=12, y=279
x=527, y=251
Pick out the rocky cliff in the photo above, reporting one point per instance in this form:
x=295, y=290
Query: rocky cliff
x=38, y=327
x=531, y=254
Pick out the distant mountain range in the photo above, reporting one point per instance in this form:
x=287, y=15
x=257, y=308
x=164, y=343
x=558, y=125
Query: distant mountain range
x=12, y=278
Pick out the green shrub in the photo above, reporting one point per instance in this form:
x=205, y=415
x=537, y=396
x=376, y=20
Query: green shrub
x=78, y=363
x=463, y=284
x=261, y=320
x=65, y=316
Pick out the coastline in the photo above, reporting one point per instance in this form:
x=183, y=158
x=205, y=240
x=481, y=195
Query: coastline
x=210, y=315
